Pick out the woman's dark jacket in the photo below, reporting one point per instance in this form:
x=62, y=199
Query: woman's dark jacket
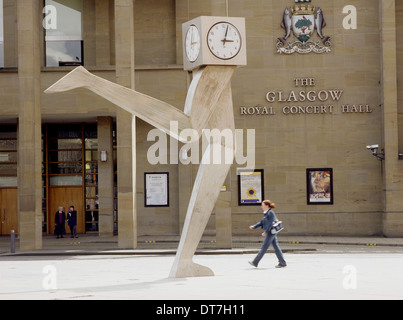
x=267, y=221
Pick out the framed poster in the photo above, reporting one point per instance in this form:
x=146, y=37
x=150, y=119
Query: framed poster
x=156, y=189
x=319, y=186
x=250, y=187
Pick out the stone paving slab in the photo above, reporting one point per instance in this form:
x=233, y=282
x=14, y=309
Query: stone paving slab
x=307, y=277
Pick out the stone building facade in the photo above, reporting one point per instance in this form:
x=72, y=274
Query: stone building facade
x=310, y=112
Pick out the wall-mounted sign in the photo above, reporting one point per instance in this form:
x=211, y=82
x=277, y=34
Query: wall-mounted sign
x=305, y=100
x=250, y=187
x=156, y=189
x=303, y=20
x=319, y=186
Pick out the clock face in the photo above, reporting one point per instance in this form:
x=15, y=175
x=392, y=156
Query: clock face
x=192, y=43
x=224, y=40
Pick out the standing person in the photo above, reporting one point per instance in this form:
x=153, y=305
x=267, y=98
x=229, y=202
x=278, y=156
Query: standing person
x=72, y=221
x=60, y=218
x=269, y=217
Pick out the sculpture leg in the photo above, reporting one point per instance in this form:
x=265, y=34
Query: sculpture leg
x=209, y=180
x=151, y=110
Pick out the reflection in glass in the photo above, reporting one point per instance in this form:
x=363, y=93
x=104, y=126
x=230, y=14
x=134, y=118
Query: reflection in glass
x=65, y=131
x=8, y=156
x=91, y=143
x=91, y=155
x=62, y=53
x=8, y=169
x=56, y=181
x=8, y=182
x=91, y=167
x=8, y=144
x=65, y=156
x=65, y=168
x=91, y=221
x=64, y=43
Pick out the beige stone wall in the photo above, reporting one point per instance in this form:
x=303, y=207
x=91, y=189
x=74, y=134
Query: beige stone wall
x=286, y=144
x=289, y=144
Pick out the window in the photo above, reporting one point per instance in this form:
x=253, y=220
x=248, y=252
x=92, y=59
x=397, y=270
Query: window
x=1, y=36
x=64, y=36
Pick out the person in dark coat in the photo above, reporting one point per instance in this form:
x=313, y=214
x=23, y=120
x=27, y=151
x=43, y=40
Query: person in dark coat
x=60, y=218
x=270, y=239
x=72, y=221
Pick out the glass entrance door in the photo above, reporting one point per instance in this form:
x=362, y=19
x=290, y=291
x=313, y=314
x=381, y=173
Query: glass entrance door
x=70, y=173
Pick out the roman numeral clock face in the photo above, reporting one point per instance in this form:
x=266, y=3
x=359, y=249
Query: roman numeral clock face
x=224, y=40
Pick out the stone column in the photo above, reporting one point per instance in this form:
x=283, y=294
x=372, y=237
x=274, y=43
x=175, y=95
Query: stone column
x=29, y=131
x=223, y=217
x=89, y=33
x=126, y=126
x=105, y=176
x=393, y=168
x=102, y=36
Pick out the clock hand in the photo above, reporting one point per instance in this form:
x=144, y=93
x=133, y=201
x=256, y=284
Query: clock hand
x=225, y=37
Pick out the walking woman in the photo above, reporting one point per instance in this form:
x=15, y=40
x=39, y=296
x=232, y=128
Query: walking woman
x=269, y=217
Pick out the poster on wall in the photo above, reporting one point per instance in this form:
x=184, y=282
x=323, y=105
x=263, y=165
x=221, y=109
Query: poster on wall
x=156, y=189
x=250, y=187
x=319, y=186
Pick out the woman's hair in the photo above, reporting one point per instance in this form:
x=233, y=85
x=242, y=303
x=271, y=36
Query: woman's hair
x=270, y=204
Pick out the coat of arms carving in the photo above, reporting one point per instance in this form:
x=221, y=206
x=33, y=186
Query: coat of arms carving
x=303, y=20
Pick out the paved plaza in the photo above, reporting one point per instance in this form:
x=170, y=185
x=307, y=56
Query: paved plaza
x=355, y=274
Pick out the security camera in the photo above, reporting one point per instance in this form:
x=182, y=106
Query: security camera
x=374, y=149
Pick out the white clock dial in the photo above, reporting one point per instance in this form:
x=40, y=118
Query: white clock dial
x=192, y=43
x=224, y=40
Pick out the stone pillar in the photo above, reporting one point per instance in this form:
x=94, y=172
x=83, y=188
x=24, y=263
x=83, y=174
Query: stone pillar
x=89, y=33
x=29, y=131
x=102, y=36
x=105, y=176
x=393, y=168
x=223, y=217
x=126, y=126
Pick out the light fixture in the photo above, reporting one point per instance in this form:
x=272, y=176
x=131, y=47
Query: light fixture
x=103, y=156
x=374, y=149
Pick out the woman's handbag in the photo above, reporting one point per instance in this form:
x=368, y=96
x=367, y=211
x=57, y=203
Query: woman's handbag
x=276, y=227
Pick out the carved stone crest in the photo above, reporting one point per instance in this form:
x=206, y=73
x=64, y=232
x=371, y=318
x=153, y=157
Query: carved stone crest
x=303, y=20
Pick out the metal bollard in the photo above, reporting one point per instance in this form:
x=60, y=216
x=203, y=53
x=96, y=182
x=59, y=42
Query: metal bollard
x=12, y=243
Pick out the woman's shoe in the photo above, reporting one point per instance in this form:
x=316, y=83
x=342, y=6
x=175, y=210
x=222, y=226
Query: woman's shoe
x=252, y=264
